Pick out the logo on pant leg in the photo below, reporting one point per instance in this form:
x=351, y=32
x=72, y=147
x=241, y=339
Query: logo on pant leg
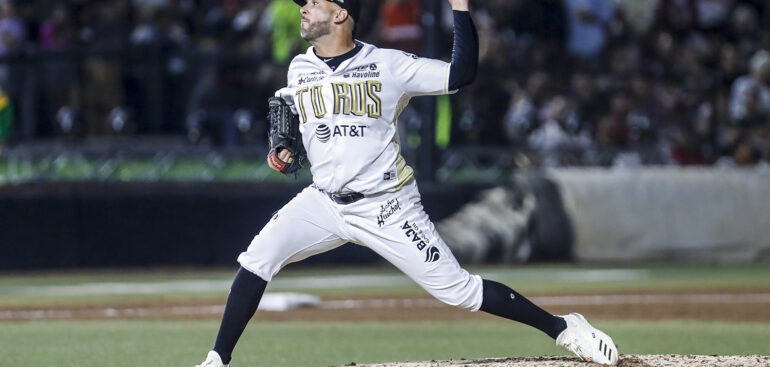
x=386, y=210
x=432, y=255
x=418, y=238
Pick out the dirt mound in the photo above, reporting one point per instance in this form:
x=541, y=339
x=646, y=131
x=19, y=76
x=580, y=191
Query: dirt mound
x=668, y=360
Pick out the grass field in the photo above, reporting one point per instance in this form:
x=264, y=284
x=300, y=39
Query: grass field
x=184, y=342
x=106, y=286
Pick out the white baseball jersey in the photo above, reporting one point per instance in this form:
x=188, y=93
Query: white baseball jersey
x=348, y=123
x=348, y=116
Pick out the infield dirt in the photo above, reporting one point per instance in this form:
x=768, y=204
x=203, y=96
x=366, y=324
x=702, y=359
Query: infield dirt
x=667, y=360
x=734, y=306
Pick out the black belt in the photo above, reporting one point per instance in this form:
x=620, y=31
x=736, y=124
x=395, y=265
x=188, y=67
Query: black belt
x=343, y=199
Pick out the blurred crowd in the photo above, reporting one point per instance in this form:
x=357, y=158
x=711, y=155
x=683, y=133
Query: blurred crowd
x=624, y=82
x=568, y=82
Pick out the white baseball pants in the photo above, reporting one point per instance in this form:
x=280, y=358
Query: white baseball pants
x=394, y=225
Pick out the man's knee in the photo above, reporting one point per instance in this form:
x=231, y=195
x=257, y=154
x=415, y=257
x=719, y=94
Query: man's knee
x=465, y=293
x=261, y=259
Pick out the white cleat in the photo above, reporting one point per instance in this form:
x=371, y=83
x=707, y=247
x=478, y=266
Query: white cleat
x=213, y=360
x=587, y=342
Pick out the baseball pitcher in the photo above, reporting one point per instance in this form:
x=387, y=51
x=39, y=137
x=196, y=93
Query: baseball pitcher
x=339, y=112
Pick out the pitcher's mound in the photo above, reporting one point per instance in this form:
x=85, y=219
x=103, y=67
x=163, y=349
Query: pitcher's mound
x=666, y=360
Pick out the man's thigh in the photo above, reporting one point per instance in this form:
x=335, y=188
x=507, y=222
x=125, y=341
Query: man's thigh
x=305, y=226
x=396, y=227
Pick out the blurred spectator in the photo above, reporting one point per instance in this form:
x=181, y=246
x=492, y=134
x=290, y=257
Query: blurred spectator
x=522, y=115
x=613, y=130
x=713, y=14
x=12, y=37
x=750, y=96
x=6, y=118
x=645, y=115
x=103, y=92
x=745, y=29
x=284, y=19
x=741, y=149
x=58, y=31
x=559, y=136
x=640, y=14
x=588, y=21
x=12, y=29
x=400, y=27
x=540, y=21
x=677, y=17
x=730, y=66
x=60, y=75
x=583, y=93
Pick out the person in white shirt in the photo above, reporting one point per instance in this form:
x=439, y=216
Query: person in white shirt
x=348, y=95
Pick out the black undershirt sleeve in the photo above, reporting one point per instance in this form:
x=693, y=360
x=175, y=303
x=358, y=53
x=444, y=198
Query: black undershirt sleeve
x=465, y=51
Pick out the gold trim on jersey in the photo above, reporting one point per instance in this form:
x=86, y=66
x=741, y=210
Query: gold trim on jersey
x=317, y=97
x=358, y=90
x=402, y=103
x=404, y=172
x=375, y=110
x=358, y=99
x=341, y=98
x=301, y=102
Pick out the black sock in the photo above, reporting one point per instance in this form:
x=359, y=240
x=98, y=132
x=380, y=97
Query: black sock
x=503, y=301
x=242, y=303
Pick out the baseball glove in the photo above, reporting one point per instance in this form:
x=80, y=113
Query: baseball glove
x=284, y=135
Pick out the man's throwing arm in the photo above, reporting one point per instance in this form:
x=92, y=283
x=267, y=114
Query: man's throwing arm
x=465, y=50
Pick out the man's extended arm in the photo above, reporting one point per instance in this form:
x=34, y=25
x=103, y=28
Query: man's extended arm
x=465, y=51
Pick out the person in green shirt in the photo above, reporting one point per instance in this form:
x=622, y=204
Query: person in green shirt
x=6, y=116
x=286, y=22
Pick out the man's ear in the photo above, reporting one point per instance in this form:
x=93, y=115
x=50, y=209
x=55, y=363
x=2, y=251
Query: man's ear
x=341, y=16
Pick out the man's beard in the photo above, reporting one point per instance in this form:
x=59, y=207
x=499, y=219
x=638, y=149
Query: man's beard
x=313, y=31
